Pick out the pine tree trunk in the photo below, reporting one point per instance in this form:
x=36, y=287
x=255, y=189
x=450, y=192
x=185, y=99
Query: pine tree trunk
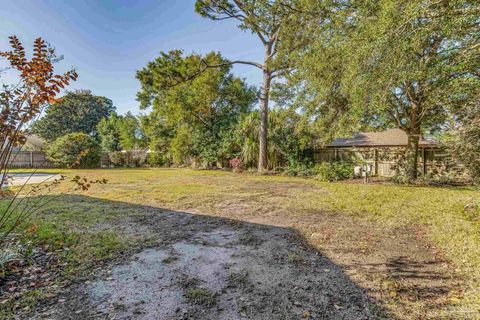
x=263, y=134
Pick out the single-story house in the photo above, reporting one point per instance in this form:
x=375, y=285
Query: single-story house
x=379, y=152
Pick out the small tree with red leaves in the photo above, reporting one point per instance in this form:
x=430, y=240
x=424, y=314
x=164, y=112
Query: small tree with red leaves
x=21, y=103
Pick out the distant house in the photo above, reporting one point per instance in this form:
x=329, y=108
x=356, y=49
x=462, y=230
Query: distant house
x=144, y=150
x=379, y=152
x=33, y=143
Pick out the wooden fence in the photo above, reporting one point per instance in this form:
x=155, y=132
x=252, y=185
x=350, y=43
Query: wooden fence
x=37, y=159
x=30, y=159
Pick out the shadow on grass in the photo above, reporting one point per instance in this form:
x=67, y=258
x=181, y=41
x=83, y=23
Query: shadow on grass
x=423, y=281
x=246, y=270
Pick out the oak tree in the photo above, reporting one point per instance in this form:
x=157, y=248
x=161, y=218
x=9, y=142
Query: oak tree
x=403, y=64
x=78, y=111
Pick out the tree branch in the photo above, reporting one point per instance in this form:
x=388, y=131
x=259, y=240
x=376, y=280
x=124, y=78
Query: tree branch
x=230, y=14
x=255, y=28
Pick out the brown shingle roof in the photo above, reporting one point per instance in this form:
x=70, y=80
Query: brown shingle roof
x=387, y=138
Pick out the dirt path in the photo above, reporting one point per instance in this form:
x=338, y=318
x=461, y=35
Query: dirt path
x=214, y=268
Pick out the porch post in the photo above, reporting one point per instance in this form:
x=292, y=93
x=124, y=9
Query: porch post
x=424, y=162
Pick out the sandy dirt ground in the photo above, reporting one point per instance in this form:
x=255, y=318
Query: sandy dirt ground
x=215, y=268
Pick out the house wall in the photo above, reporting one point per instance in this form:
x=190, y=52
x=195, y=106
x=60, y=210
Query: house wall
x=385, y=161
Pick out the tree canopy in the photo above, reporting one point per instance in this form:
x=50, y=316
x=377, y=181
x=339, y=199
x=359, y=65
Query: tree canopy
x=194, y=114
x=120, y=132
x=404, y=64
x=76, y=111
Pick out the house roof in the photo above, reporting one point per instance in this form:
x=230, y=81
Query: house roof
x=35, y=142
x=387, y=138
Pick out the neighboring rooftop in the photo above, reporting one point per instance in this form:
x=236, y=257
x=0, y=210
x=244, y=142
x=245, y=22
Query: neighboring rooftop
x=387, y=138
x=33, y=143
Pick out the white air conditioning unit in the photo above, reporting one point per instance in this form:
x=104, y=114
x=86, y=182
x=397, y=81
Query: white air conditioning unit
x=361, y=171
x=357, y=171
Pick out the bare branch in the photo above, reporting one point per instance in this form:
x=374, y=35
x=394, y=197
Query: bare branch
x=207, y=66
x=255, y=64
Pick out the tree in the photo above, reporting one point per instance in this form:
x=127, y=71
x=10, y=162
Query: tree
x=74, y=149
x=288, y=138
x=465, y=137
x=202, y=108
x=263, y=18
x=21, y=103
x=78, y=111
x=316, y=47
x=414, y=61
x=130, y=133
x=158, y=135
x=109, y=134
x=120, y=132
x=386, y=63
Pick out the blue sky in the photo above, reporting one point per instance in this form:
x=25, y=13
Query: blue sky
x=107, y=41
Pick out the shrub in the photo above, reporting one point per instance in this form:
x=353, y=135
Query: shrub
x=128, y=158
x=117, y=158
x=74, y=149
x=236, y=164
x=136, y=158
x=401, y=178
x=299, y=169
x=333, y=171
x=158, y=159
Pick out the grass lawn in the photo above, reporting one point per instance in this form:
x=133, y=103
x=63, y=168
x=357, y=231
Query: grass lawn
x=415, y=249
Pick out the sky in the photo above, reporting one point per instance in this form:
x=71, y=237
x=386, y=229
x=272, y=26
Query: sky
x=107, y=41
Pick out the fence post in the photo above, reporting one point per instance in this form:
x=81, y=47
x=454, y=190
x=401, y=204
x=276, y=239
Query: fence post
x=31, y=159
x=424, y=162
x=375, y=152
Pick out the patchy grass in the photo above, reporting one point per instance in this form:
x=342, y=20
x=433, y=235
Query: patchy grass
x=448, y=217
x=201, y=296
x=294, y=258
x=188, y=282
x=80, y=250
x=250, y=239
x=170, y=259
x=237, y=280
